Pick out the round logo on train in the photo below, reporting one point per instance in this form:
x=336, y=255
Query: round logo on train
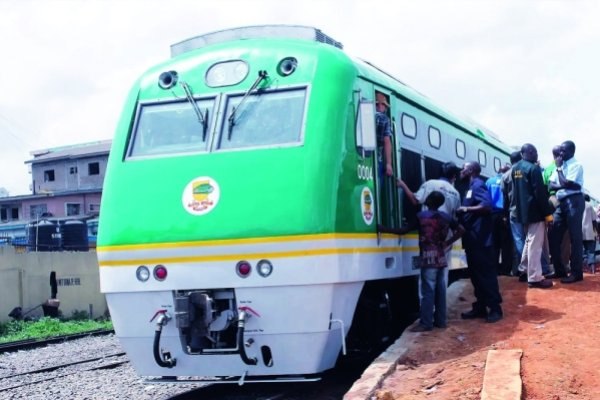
x=366, y=205
x=201, y=195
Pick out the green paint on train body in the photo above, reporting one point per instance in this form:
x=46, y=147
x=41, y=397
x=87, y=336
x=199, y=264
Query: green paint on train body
x=303, y=188
x=310, y=186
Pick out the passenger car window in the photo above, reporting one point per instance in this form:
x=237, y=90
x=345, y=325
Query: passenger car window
x=435, y=138
x=409, y=126
x=461, y=149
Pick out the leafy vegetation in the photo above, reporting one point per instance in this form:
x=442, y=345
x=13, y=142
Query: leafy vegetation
x=47, y=327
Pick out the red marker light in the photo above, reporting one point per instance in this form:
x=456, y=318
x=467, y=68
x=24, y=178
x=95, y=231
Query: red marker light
x=243, y=269
x=160, y=272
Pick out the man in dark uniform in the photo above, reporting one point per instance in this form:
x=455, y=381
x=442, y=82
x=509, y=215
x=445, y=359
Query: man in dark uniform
x=533, y=211
x=475, y=216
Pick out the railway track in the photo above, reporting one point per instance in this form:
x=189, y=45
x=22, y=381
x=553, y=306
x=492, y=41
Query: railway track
x=54, y=372
x=34, y=343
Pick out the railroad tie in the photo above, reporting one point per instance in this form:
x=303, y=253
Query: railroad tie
x=502, y=376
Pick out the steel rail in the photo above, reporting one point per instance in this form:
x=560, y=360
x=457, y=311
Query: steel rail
x=55, y=367
x=105, y=366
x=34, y=343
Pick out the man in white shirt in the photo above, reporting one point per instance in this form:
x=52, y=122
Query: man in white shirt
x=567, y=180
x=445, y=185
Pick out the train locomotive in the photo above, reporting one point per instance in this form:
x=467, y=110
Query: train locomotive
x=245, y=229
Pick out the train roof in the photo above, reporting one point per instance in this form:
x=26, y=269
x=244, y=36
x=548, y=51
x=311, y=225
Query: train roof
x=365, y=69
x=253, y=32
x=405, y=92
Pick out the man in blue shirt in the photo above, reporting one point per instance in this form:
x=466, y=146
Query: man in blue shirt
x=502, y=242
x=567, y=180
x=475, y=217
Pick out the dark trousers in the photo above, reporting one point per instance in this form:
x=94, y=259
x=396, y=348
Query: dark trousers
x=502, y=244
x=484, y=278
x=568, y=216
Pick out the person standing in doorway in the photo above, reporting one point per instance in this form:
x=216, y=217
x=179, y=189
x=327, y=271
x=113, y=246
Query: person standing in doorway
x=384, y=136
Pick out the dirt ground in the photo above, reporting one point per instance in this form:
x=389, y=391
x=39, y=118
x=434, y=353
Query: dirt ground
x=557, y=329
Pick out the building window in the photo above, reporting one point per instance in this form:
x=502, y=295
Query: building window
x=49, y=175
x=435, y=137
x=94, y=208
x=482, y=158
x=3, y=214
x=14, y=213
x=36, y=210
x=72, y=170
x=461, y=149
x=94, y=168
x=72, y=209
x=409, y=126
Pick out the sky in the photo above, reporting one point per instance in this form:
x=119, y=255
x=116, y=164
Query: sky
x=527, y=70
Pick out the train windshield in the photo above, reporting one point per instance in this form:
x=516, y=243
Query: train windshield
x=264, y=119
x=174, y=127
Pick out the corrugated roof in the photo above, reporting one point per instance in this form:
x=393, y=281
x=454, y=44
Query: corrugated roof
x=70, y=152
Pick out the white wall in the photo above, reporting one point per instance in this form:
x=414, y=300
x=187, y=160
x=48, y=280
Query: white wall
x=25, y=281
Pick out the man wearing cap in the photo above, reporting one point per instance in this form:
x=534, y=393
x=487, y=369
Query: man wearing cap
x=384, y=134
x=445, y=185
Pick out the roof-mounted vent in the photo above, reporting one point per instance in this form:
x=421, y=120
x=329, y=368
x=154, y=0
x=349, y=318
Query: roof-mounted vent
x=253, y=32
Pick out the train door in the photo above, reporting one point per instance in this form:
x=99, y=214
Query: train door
x=372, y=121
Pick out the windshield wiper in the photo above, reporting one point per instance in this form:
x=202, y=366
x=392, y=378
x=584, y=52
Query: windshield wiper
x=262, y=75
x=203, y=119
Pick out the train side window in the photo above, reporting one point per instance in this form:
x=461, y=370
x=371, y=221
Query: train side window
x=435, y=137
x=461, y=149
x=482, y=158
x=433, y=168
x=409, y=126
x=411, y=174
x=497, y=164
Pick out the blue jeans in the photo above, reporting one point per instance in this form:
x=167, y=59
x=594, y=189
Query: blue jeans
x=433, y=303
x=589, y=251
x=518, y=234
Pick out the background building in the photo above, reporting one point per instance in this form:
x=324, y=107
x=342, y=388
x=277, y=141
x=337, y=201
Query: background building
x=66, y=184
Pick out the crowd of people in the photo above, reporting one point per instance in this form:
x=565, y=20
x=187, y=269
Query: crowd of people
x=532, y=223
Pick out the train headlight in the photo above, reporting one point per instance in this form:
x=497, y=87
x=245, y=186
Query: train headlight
x=142, y=273
x=287, y=66
x=160, y=272
x=226, y=73
x=264, y=268
x=167, y=79
x=243, y=269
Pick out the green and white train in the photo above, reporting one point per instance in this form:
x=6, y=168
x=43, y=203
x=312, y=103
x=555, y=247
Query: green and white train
x=241, y=232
